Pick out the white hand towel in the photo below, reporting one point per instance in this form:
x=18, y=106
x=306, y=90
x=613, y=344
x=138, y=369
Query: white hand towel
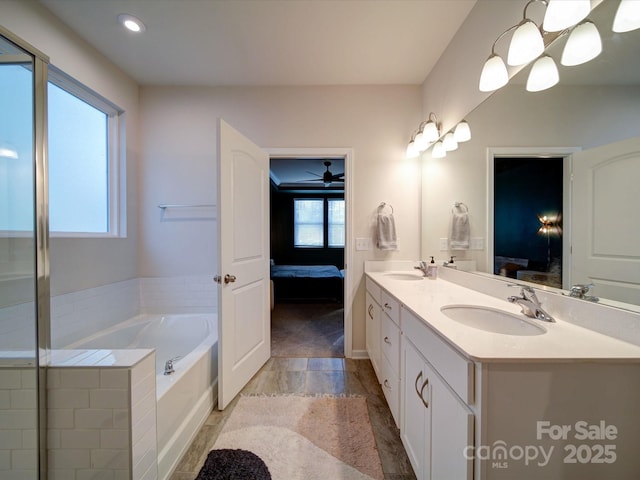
x=460, y=231
x=386, y=232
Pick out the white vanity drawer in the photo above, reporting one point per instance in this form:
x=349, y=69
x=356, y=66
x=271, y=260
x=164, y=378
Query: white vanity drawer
x=391, y=387
x=456, y=370
x=391, y=307
x=374, y=289
x=390, y=343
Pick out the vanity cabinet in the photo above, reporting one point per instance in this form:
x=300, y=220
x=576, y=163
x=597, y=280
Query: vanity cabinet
x=437, y=426
x=390, y=334
x=383, y=335
x=373, y=315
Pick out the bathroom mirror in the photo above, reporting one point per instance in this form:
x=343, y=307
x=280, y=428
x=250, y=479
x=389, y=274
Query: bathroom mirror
x=594, y=105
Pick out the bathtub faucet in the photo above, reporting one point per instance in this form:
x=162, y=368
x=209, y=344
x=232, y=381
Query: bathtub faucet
x=168, y=367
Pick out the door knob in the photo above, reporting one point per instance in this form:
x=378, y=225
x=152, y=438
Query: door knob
x=229, y=278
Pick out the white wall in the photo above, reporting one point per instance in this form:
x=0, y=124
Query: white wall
x=178, y=139
x=81, y=263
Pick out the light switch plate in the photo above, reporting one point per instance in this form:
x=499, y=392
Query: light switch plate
x=444, y=244
x=363, y=243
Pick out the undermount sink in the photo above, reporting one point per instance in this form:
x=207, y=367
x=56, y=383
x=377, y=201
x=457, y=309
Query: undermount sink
x=492, y=320
x=403, y=276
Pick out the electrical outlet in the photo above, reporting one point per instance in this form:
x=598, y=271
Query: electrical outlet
x=444, y=244
x=363, y=243
x=477, y=243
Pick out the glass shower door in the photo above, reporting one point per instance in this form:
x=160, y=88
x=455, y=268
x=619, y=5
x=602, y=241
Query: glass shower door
x=19, y=372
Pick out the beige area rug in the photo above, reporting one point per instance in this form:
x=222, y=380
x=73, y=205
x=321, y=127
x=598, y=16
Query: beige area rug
x=298, y=437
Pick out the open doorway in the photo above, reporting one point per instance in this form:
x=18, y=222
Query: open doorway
x=308, y=239
x=528, y=218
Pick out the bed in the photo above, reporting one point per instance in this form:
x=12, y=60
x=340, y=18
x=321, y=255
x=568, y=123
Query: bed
x=307, y=283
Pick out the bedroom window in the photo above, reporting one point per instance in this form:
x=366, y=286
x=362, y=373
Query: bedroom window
x=318, y=222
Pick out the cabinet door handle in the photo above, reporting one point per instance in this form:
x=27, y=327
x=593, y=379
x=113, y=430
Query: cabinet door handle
x=416, y=383
x=369, y=311
x=387, y=384
x=426, y=404
x=386, y=340
x=387, y=306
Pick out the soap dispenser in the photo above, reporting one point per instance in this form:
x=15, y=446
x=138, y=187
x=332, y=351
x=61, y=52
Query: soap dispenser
x=432, y=270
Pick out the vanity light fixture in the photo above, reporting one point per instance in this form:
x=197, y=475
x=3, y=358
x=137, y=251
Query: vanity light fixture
x=438, y=150
x=462, y=132
x=627, y=16
x=494, y=72
x=431, y=130
x=412, y=149
x=544, y=74
x=562, y=14
x=584, y=44
x=131, y=23
x=526, y=42
x=449, y=143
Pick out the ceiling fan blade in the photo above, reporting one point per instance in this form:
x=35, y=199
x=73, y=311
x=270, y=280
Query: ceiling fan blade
x=313, y=173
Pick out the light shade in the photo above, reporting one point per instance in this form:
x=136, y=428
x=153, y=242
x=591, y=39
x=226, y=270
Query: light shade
x=449, y=143
x=583, y=44
x=627, y=17
x=562, y=14
x=494, y=74
x=526, y=44
x=462, y=133
x=430, y=132
x=438, y=151
x=412, y=150
x=544, y=74
x=421, y=142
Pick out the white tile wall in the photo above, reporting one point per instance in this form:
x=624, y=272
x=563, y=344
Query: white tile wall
x=18, y=423
x=101, y=420
x=79, y=314
x=178, y=294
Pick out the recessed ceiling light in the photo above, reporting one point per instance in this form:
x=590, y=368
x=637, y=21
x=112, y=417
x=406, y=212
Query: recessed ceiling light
x=131, y=23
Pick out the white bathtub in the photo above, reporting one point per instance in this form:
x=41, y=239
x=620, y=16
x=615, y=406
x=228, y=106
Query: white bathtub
x=186, y=397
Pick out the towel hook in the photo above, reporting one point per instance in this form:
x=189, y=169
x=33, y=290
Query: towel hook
x=461, y=204
x=382, y=205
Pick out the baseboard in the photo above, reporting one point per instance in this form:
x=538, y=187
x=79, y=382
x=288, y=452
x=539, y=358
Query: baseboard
x=359, y=355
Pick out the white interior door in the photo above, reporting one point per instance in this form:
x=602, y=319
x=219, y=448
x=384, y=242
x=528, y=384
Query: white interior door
x=605, y=220
x=244, y=323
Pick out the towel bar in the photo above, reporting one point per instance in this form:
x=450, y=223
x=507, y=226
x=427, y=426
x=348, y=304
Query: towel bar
x=175, y=205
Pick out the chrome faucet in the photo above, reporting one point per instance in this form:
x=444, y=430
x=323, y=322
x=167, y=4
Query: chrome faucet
x=168, y=367
x=530, y=304
x=581, y=291
x=422, y=266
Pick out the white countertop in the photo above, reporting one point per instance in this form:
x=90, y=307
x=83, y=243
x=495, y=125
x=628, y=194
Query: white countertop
x=563, y=341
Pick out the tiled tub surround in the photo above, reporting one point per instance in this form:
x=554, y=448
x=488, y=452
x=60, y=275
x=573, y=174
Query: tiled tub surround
x=184, y=398
x=102, y=415
x=584, y=368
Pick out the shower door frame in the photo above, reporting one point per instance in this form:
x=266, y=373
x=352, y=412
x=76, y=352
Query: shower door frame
x=40, y=233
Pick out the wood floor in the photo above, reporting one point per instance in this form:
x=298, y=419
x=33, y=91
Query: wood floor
x=312, y=376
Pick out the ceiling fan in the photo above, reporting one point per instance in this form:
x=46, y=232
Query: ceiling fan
x=327, y=177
